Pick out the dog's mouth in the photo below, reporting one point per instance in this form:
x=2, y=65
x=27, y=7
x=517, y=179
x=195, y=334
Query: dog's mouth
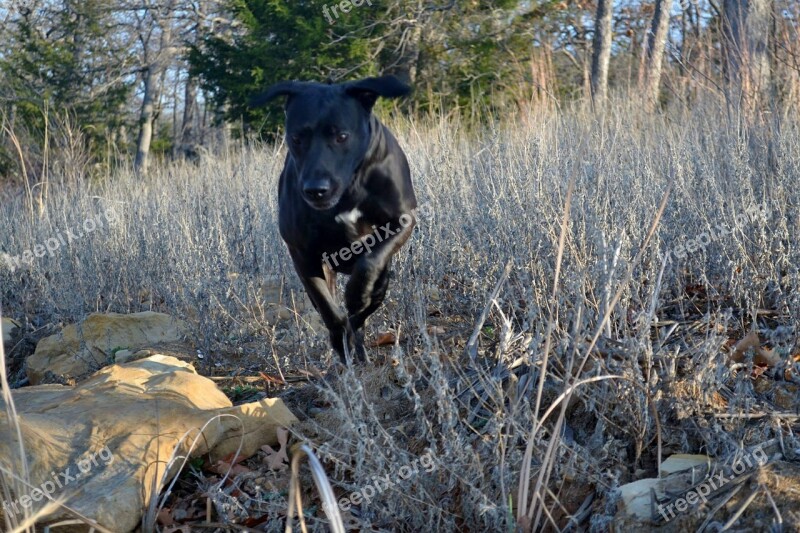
x=322, y=204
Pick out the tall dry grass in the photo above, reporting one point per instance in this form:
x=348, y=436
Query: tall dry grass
x=199, y=240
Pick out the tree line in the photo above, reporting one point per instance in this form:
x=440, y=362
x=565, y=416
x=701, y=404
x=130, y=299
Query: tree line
x=88, y=85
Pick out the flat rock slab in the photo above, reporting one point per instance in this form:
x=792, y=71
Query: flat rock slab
x=104, y=444
x=80, y=349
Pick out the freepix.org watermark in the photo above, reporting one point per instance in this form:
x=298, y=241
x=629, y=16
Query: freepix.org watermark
x=61, y=238
x=717, y=480
x=379, y=234
x=344, y=6
x=702, y=240
x=58, y=481
x=381, y=483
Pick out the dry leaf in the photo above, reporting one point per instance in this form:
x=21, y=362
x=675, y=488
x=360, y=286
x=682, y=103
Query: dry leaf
x=229, y=458
x=767, y=357
x=164, y=517
x=385, y=339
x=222, y=468
x=278, y=460
x=254, y=522
x=272, y=379
x=283, y=436
x=764, y=356
x=750, y=341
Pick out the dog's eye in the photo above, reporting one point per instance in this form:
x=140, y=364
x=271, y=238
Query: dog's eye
x=342, y=137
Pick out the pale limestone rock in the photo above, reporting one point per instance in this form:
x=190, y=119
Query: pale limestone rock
x=80, y=349
x=129, y=419
x=636, y=496
x=683, y=461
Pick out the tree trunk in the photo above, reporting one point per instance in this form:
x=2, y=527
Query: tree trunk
x=656, y=41
x=745, y=31
x=189, y=108
x=405, y=67
x=153, y=81
x=601, y=53
x=146, y=121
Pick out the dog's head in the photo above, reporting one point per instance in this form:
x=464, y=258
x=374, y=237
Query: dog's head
x=328, y=131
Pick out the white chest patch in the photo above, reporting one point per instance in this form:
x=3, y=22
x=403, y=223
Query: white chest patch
x=349, y=218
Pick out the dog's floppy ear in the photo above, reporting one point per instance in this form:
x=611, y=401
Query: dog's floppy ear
x=284, y=88
x=368, y=90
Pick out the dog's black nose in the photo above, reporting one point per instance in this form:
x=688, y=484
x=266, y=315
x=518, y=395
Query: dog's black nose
x=318, y=189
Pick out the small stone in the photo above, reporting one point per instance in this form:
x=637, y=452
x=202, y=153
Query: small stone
x=433, y=294
x=123, y=356
x=8, y=327
x=787, y=396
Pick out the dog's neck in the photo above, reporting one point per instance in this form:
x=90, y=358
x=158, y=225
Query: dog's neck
x=375, y=142
x=350, y=216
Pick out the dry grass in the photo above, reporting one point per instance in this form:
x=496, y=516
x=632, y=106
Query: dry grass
x=199, y=241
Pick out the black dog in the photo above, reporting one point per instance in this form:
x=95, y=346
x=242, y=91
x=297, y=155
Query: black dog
x=345, y=198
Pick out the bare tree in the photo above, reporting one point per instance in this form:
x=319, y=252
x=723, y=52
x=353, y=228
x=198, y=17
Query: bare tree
x=745, y=30
x=601, y=53
x=656, y=40
x=155, y=30
x=410, y=20
x=187, y=134
x=203, y=17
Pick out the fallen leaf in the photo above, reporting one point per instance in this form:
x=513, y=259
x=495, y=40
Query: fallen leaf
x=763, y=356
x=164, y=517
x=277, y=459
x=222, y=468
x=253, y=522
x=272, y=379
x=385, y=339
x=750, y=341
x=695, y=290
x=767, y=357
x=229, y=458
x=283, y=437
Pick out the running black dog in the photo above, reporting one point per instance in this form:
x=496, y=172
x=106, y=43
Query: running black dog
x=345, y=200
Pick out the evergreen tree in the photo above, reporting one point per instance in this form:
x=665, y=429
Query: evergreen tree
x=277, y=40
x=61, y=62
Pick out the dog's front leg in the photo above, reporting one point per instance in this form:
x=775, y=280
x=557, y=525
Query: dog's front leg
x=369, y=280
x=317, y=287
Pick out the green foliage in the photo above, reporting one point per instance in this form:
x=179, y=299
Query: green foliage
x=481, y=56
x=469, y=54
x=279, y=40
x=60, y=63
x=162, y=143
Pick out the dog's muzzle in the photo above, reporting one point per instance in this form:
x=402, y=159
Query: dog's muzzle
x=319, y=193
